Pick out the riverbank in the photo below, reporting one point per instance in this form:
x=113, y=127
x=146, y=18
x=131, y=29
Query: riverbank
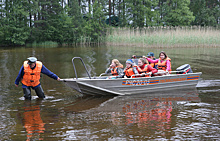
x=164, y=37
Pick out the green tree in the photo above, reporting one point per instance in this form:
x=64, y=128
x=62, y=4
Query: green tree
x=74, y=23
x=95, y=25
x=14, y=26
x=207, y=13
x=177, y=13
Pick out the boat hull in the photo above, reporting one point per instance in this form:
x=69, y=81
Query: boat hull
x=131, y=86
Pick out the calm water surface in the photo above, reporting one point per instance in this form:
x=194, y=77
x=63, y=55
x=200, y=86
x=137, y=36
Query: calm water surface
x=64, y=114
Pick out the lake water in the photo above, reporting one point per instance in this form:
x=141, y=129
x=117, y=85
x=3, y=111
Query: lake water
x=192, y=114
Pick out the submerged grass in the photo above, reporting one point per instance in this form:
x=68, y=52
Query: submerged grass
x=164, y=37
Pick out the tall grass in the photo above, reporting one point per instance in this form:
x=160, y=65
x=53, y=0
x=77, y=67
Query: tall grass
x=164, y=37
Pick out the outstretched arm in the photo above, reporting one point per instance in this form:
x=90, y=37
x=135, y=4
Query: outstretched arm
x=46, y=71
x=152, y=61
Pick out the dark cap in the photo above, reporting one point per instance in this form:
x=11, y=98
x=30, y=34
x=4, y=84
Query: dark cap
x=150, y=54
x=31, y=60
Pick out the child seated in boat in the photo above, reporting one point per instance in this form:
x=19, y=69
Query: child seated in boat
x=116, y=68
x=149, y=55
x=130, y=69
x=164, y=63
x=145, y=68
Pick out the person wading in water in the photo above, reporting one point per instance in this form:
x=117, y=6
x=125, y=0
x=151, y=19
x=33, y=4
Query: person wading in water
x=29, y=75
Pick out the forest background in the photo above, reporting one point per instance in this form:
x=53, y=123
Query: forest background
x=72, y=22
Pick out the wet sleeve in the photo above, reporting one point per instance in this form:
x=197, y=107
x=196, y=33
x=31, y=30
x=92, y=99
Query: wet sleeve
x=152, y=61
x=20, y=75
x=168, y=65
x=46, y=71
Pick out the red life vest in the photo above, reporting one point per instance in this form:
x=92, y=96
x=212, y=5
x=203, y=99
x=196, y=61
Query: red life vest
x=31, y=77
x=129, y=72
x=163, y=65
x=145, y=70
x=114, y=70
x=142, y=70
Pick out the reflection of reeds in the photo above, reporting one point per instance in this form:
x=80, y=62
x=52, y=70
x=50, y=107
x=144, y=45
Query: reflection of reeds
x=164, y=37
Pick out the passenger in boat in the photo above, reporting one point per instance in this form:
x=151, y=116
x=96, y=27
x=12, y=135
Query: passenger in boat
x=130, y=69
x=151, y=56
x=116, y=69
x=29, y=75
x=145, y=67
x=164, y=63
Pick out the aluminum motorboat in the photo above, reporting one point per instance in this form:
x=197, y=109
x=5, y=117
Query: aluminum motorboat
x=101, y=85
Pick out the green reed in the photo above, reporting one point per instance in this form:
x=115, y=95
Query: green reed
x=164, y=37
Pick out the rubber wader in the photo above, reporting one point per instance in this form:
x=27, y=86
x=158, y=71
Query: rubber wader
x=39, y=91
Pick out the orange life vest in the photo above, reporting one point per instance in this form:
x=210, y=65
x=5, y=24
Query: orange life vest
x=153, y=65
x=142, y=72
x=114, y=70
x=32, y=77
x=129, y=72
x=163, y=65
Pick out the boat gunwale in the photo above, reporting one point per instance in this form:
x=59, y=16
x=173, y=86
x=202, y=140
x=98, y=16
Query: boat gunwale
x=119, y=79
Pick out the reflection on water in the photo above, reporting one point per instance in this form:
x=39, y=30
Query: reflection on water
x=32, y=121
x=67, y=115
x=150, y=112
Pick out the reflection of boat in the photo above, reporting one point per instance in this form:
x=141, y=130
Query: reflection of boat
x=127, y=86
x=154, y=112
x=143, y=110
x=142, y=102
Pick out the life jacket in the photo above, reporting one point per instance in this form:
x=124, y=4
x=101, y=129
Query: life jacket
x=31, y=77
x=129, y=72
x=114, y=70
x=154, y=65
x=142, y=72
x=145, y=70
x=163, y=65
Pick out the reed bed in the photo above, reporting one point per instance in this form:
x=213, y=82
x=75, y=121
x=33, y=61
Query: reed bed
x=164, y=37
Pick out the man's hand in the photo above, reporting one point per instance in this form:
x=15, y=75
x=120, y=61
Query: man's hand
x=16, y=85
x=58, y=79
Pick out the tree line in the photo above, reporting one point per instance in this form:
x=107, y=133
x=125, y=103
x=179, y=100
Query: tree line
x=86, y=21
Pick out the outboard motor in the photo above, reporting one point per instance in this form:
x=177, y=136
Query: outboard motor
x=184, y=69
